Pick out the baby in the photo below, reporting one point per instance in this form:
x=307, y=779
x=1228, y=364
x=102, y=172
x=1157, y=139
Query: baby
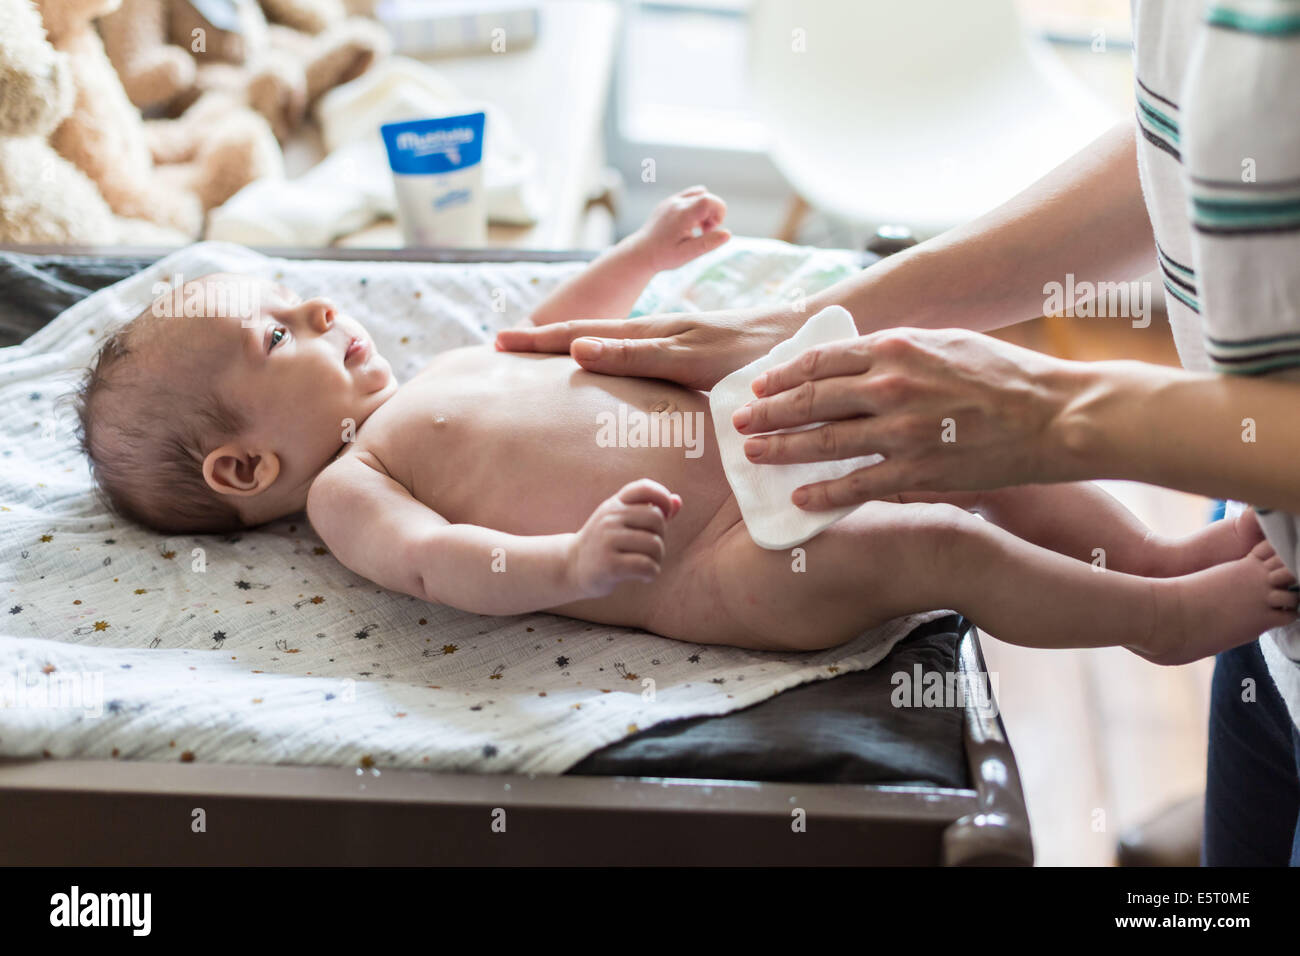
x=483, y=483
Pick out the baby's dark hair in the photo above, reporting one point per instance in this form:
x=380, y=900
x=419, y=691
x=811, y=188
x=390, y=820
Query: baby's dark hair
x=146, y=430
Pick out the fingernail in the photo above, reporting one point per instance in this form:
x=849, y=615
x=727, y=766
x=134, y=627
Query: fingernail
x=758, y=384
x=741, y=416
x=589, y=349
x=755, y=447
x=800, y=497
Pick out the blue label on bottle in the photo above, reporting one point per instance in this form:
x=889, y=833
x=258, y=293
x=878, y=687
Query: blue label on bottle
x=442, y=145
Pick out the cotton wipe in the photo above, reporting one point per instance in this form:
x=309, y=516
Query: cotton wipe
x=763, y=491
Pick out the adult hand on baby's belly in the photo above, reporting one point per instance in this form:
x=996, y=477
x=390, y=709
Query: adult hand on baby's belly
x=949, y=409
x=692, y=349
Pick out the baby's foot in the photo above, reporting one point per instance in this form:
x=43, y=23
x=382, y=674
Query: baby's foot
x=1212, y=610
x=1217, y=543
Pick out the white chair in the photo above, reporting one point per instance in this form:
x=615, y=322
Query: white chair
x=921, y=112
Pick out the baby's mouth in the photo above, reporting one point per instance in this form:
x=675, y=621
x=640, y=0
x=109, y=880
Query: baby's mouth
x=358, y=350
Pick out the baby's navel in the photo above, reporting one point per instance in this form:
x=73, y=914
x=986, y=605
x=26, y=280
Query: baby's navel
x=663, y=407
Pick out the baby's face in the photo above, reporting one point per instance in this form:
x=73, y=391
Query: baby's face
x=305, y=374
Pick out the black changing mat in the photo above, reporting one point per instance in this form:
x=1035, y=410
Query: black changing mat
x=842, y=730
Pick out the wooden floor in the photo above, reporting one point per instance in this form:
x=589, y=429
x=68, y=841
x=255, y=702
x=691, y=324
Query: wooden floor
x=1103, y=738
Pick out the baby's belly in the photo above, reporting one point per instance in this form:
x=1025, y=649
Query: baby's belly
x=531, y=445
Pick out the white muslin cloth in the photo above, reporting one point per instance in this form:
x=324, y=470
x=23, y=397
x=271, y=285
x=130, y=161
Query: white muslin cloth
x=763, y=491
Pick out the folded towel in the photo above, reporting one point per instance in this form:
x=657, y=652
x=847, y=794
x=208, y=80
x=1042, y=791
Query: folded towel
x=763, y=491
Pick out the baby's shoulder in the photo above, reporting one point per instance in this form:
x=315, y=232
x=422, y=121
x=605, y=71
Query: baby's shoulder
x=354, y=468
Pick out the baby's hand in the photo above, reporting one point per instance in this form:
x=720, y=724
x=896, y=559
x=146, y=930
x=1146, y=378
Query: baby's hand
x=623, y=540
x=682, y=227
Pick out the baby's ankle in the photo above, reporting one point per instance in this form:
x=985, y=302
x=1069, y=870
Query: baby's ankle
x=1162, y=557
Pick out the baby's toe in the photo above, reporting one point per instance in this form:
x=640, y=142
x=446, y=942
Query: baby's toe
x=1280, y=576
x=1283, y=599
x=1263, y=551
x=1247, y=527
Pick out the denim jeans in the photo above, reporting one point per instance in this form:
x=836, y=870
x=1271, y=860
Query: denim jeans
x=1252, y=787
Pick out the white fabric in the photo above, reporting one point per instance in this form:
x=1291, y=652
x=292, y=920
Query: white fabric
x=1225, y=100
x=345, y=192
x=763, y=491
x=261, y=647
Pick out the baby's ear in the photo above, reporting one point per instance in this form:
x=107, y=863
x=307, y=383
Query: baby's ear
x=234, y=470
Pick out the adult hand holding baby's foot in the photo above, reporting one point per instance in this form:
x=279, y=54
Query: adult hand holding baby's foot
x=682, y=227
x=623, y=540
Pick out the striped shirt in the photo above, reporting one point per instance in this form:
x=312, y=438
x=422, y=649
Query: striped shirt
x=1218, y=113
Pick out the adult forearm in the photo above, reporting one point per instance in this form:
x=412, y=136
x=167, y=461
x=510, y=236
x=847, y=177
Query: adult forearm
x=1087, y=218
x=1214, y=435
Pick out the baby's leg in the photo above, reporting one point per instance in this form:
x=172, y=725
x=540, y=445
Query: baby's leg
x=886, y=560
x=1085, y=522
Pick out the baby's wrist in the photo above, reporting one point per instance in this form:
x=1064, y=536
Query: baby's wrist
x=639, y=251
x=571, y=566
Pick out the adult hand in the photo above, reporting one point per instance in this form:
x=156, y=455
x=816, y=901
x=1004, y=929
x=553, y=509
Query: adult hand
x=949, y=410
x=694, y=349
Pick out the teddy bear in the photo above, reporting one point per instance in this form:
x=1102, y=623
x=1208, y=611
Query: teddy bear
x=106, y=137
x=277, y=58
x=43, y=197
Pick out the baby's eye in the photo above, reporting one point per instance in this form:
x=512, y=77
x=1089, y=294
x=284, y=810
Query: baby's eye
x=278, y=335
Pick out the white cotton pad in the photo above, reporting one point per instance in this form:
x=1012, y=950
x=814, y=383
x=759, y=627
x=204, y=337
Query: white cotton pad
x=763, y=491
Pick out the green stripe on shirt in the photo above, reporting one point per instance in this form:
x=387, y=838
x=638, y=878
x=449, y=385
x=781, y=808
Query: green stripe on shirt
x=1256, y=368
x=1159, y=121
x=1285, y=22
x=1245, y=215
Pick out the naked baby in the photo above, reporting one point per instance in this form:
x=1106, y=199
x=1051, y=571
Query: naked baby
x=482, y=483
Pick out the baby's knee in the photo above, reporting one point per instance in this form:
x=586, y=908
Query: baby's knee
x=942, y=532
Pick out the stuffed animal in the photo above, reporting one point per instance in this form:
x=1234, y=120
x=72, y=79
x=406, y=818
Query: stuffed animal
x=106, y=138
x=43, y=197
x=170, y=53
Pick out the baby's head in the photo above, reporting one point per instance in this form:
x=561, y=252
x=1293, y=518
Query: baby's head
x=215, y=408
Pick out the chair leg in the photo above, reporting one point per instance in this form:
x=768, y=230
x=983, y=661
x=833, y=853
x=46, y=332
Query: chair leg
x=794, y=217
x=1060, y=342
x=1170, y=838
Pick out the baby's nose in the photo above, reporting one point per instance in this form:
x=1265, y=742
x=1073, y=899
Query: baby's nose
x=322, y=314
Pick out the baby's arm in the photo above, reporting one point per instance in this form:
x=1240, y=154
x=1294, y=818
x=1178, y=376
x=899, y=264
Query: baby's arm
x=681, y=228
x=376, y=528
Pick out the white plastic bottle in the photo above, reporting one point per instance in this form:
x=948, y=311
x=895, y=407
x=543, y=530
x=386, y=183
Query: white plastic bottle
x=437, y=166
